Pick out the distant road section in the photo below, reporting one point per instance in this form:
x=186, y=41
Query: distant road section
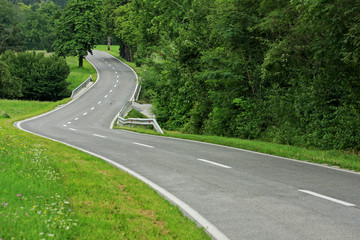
x=235, y=194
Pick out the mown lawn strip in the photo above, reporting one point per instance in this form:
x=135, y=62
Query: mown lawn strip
x=350, y=161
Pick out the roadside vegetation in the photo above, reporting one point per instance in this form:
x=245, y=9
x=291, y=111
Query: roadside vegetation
x=79, y=74
x=279, y=71
x=278, y=77
x=135, y=114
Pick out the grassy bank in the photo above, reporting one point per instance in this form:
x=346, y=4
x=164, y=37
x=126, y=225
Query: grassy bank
x=51, y=191
x=79, y=75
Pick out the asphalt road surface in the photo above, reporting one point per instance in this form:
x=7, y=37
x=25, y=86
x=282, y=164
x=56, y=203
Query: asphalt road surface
x=244, y=195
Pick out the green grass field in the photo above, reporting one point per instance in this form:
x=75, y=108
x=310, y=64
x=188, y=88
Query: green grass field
x=79, y=75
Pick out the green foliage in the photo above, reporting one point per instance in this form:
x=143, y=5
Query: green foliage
x=79, y=29
x=10, y=38
x=135, y=114
x=42, y=78
x=10, y=86
x=283, y=71
x=38, y=28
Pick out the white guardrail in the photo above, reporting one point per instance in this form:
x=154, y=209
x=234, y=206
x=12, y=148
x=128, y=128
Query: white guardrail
x=122, y=121
x=80, y=87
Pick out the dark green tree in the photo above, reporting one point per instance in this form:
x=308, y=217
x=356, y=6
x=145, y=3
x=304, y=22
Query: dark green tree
x=42, y=78
x=79, y=29
x=10, y=37
x=38, y=28
x=10, y=86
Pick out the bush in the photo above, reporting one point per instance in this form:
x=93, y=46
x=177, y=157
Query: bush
x=43, y=78
x=10, y=86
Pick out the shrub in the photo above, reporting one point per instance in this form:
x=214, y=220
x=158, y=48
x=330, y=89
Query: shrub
x=43, y=78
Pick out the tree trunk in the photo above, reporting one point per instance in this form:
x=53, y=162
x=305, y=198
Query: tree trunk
x=109, y=42
x=81, y=61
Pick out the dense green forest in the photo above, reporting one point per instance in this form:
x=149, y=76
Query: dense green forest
x=277, y=70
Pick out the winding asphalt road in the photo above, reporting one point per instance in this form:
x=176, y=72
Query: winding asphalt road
x=235, y=194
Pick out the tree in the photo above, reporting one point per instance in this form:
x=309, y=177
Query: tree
x=10, y=86
x=79, y=29
x=109, y=17
x=38, y=28
x=42, y=78
x=9, y=30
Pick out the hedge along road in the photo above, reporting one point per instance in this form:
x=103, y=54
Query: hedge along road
x=233, y=193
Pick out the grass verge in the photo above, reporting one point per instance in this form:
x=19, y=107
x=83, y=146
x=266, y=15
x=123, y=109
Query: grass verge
x=135, y=114
x=336, y=158
x=51, y=191
x=79, y=75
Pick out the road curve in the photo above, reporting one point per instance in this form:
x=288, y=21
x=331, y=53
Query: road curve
x=237, y=194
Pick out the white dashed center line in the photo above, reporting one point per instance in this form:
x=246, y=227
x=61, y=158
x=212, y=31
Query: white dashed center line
x=72, y=129
x=84, y=113
x=110, y=91
x=214, y=163
x=76, y=119
x=115, y=85
x=92, y=108
x=69, y=122
x=65, y=125
x=100, y=136
x=144, y=145
x=106, y=96
x=328, y=198
x=99, y=102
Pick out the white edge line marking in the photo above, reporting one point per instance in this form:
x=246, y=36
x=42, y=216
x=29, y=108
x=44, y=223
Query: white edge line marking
x=214, y=163
x=209, y=227
x=249, y=151
x=72, y=129
x=328, y=198
x=96, y=135
x=144, y=145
